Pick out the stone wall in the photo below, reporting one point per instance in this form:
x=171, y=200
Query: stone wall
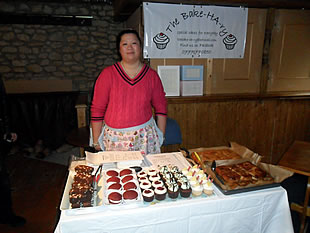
x=77, y=53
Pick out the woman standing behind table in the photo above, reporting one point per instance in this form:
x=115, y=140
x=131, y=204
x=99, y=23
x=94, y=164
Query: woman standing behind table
x=124, y=96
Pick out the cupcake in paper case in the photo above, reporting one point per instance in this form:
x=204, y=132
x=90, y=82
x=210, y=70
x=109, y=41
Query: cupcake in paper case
x=230, y=41
x=142, y=174
x=197, y=190
x=154, y=178
x=145, y=185
x=185, y=189
x=161, y=40
x=173, y=190
x=208, y=188
x=151, y=172
x=157, y=183
x=160, y=193
x=148, y=195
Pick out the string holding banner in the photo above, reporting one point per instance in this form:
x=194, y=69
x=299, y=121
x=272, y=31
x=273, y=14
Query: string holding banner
x=189, y=31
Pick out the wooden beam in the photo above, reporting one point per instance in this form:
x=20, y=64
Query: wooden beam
x=124, y=8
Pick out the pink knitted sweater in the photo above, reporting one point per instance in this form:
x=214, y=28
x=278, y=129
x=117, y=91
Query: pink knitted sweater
x=123, y=102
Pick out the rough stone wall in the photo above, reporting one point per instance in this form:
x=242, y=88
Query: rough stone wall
x=40, y=52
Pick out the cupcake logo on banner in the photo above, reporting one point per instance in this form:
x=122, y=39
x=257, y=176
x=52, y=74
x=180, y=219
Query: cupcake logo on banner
x=161, y=40
x=230, y=41
x=194, y=31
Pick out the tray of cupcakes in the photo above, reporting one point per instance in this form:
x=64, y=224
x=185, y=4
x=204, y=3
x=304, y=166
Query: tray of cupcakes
x=121, y=187
x=171, y=183
x=83, y=191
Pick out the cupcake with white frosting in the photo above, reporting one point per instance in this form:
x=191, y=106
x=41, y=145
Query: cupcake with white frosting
x=208, y=188
x=160, y=193
x=197, y=190
x=148, y=195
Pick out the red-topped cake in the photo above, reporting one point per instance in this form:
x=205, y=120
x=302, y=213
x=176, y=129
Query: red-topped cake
x=113, y=179
x=160, y=193
x=151, y=172
x=115, y=198
x=141, y=174
x=112, y=173
x=129, y=185
x=125, y=172
x=145, y=185
x=127, y=178
x=116, y=186
x=148, y=195
x=157, y=183
x=130, y=195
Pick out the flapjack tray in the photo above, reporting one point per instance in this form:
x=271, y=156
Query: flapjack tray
x=241, y=170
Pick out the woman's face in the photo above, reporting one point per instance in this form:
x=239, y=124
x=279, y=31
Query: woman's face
x=130, y=48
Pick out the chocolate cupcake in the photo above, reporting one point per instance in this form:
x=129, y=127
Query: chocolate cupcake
x=154, y=178
x=173, y=190
x=143, y=179
x=142, y=174
x=151, y=172
x=157, y=183
x=185, y=189
x=160, y=193
x=145, y=185
x=148, y=195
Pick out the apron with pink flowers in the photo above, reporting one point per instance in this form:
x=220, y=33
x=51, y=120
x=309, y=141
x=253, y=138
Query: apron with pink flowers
x=146, y=138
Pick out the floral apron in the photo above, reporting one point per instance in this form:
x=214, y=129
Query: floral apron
x=146, y=138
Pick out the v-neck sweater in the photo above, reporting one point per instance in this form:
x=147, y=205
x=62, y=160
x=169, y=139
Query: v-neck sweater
x=124, y=102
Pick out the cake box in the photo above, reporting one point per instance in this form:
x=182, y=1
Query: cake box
x=277, y=173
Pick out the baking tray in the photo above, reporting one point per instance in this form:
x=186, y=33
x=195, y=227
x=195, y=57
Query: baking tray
x=97, y=200
x=247, y=189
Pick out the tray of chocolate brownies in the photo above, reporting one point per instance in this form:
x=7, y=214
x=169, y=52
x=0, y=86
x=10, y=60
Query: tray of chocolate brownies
x=84, y=190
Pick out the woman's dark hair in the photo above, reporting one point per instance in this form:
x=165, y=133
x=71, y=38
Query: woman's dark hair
x=119, y=37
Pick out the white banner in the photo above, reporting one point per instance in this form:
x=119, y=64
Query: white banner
x=194, y=31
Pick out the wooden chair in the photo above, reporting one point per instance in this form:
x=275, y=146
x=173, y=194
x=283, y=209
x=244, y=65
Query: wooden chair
x=80, y=136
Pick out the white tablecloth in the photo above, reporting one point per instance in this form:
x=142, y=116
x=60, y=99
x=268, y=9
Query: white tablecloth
x=263, y=211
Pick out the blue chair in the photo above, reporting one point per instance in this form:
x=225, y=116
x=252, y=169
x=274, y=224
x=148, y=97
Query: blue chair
x=173, y=136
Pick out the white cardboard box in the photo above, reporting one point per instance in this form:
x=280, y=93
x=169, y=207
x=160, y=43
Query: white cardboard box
x=191, y=88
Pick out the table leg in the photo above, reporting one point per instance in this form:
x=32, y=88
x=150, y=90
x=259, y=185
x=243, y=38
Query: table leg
x=305, y=208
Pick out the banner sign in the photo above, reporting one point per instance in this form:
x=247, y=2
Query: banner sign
x=194, y=31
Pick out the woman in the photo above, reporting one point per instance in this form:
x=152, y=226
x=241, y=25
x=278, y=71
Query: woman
x=124, y=96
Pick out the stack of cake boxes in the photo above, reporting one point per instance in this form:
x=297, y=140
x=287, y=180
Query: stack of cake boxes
x=191, y=80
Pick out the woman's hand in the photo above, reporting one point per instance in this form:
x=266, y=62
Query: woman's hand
x=97, y=146
x=96, y=128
